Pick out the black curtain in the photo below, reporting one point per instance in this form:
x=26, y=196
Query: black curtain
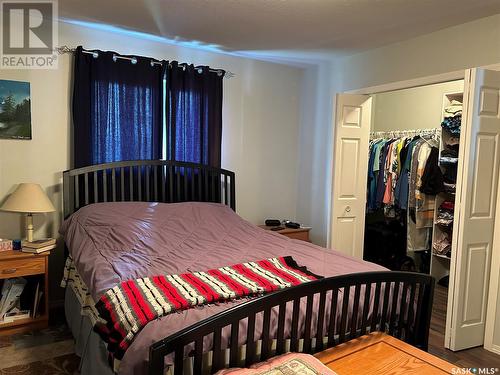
x=194, y=114
x=117, y=108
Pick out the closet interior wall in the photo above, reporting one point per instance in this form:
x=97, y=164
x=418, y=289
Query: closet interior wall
x=391, y=236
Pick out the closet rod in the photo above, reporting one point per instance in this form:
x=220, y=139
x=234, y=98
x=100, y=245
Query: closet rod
x=403, y=133
x=65, y=49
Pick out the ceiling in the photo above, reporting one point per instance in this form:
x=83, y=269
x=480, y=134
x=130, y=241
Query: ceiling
x=305, y=26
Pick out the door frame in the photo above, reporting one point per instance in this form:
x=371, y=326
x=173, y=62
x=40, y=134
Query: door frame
x=392, y=86
x=401, y=85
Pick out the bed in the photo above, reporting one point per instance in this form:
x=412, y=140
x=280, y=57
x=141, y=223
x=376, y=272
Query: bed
x=130, y=219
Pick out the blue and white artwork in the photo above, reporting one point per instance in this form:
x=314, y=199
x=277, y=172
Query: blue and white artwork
x=15, y=110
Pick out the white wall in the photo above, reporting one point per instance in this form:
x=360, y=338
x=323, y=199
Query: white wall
x=314, y=164
x=414, y=108
x=464, y=46
x=260, y=120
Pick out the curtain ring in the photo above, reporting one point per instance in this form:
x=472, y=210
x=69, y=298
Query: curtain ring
x=200, y=70
x=114, y=58
x=219, y=73
x=133, y=60
x=95, y=55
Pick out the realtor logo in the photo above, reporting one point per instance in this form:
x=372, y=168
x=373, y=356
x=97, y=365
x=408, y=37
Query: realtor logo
x=29, y=34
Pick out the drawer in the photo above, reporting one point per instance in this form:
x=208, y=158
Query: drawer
x=304, y=236
x=22, y=267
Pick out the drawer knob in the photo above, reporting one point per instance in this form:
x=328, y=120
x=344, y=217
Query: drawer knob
x=9, y=270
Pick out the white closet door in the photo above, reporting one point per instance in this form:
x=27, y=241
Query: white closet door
x=492, y=334
x=352, y=131
x=474, y=210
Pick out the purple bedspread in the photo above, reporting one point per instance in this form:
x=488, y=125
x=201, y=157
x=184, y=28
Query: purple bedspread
x=113, y=242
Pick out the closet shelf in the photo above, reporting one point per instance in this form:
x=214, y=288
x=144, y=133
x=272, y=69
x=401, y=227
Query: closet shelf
x=441, y=256
x=451, y=192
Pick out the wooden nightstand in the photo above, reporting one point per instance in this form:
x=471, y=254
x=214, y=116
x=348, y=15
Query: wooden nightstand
x=35, y=269
x=298, y=234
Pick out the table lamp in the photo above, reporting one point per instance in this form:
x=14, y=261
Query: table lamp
x=28, y=198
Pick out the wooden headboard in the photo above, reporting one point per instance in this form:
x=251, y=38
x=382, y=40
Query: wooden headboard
x=147, y=181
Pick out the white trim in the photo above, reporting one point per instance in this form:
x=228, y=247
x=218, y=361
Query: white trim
x=494, y=349
x=392, y=86
x=410, y=83
x=415, y=82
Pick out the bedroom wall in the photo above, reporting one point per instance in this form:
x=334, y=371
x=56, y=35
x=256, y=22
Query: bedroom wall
x=315, y=157
x=469, y=45
x=261, y=121
x=414, y=108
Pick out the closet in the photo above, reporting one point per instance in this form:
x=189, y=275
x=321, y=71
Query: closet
x=447, y=229
x=407, y=194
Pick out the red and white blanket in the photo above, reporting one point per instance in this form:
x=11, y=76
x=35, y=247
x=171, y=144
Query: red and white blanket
x=129, y=306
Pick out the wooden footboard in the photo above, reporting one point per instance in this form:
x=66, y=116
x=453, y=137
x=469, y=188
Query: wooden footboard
x=307, y=318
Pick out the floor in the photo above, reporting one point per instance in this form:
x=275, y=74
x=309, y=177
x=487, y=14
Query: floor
x=46, y=352
x=469, y=358
x=50, y=351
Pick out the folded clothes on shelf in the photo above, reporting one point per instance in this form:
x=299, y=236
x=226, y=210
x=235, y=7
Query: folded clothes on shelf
x=447, y=206
x=452, y=142
x=445, y=214
x=442, y=244
x=452, y=124
x=450, y=174
x=449, y=188
x=447, y=160
x=444, y=222
x=449, y=153
x=455, y=108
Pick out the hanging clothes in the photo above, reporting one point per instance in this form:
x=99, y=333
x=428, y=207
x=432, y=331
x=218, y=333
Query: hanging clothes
x=432, y=178
x=403, y=179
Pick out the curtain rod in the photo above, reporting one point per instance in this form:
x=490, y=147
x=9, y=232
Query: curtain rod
x=65, y=49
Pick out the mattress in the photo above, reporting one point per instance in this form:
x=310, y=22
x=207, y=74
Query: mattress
x=113, y=242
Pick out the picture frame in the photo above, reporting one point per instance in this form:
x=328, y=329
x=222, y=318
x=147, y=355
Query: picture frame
x=15, y=110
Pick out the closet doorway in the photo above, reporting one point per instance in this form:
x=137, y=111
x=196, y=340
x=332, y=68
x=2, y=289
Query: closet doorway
x=452, y=224
x=409, y=148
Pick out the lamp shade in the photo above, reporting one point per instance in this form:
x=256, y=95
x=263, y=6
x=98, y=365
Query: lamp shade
x=28, y=198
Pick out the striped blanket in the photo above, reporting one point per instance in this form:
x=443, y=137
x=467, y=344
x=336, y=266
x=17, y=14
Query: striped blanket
x=129, y=306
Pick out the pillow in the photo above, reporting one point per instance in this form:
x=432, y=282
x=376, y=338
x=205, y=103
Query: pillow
x=291, y=363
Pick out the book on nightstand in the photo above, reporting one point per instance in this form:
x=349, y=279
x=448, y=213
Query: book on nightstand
x=39, y=246
x=37, y=251
x=39, y=243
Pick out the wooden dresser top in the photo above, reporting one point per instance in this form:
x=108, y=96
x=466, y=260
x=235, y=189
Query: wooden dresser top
x=379, y=354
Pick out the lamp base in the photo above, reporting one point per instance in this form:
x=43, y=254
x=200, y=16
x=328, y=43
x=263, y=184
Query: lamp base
x=29, y=228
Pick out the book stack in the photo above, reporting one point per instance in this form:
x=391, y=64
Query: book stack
x=39, y=246
x=11, y=293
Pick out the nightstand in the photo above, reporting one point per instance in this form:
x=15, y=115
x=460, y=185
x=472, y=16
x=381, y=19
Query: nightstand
x=35, y=269
x=301, y=233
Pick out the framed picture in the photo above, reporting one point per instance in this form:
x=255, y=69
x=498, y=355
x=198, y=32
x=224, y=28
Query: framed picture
x=15, y=110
